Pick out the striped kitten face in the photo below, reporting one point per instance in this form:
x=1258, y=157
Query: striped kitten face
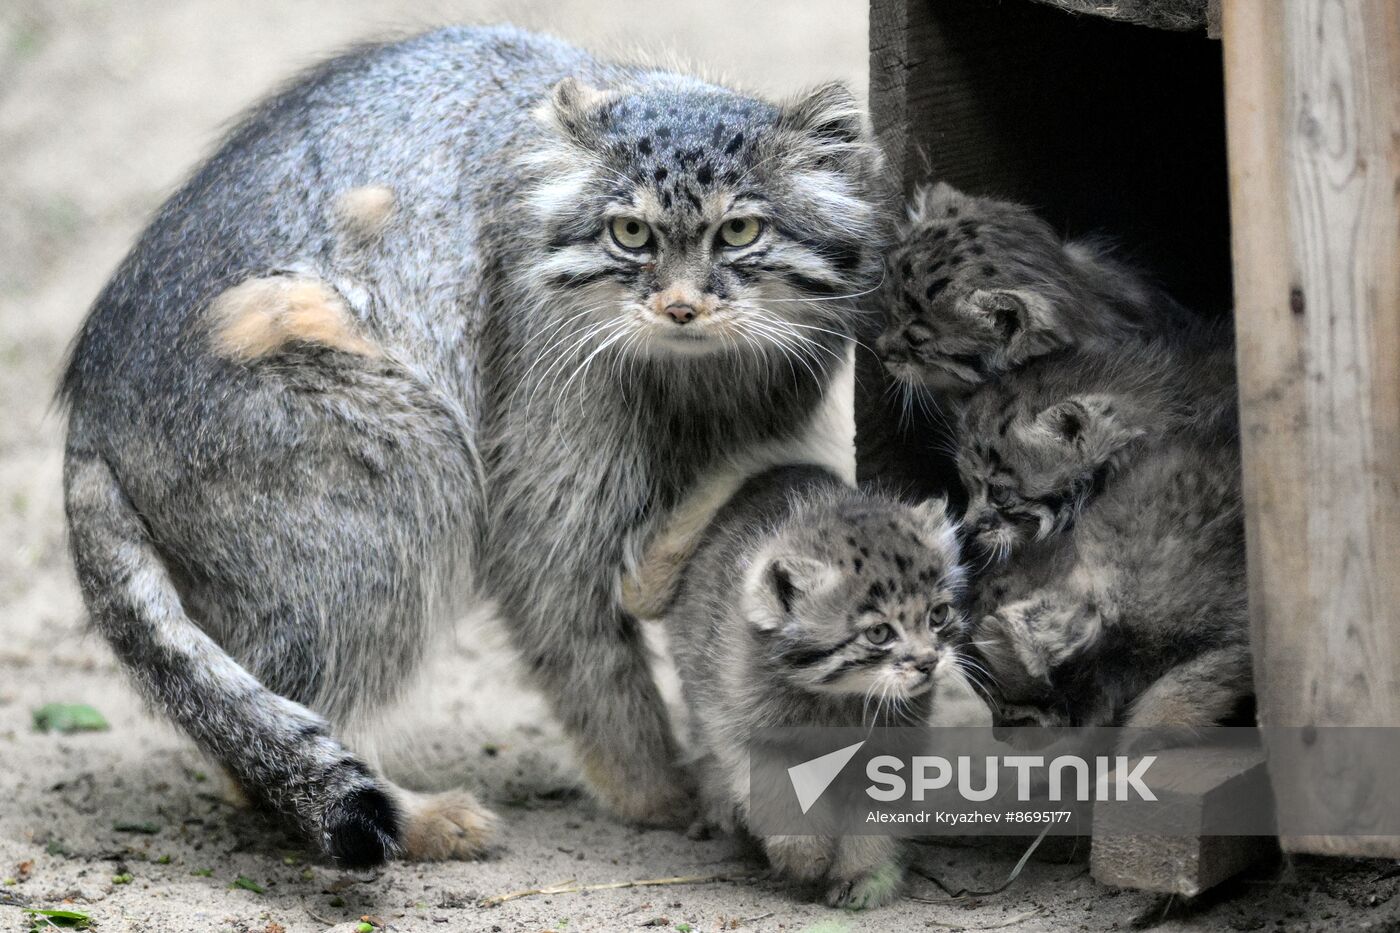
x=683, y=220
x=1030, y=470
x=857, y=599
x=969, y=292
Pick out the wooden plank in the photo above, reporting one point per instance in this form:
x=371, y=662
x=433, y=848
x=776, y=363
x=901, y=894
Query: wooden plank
x=1313, y=98
x=1202, y=787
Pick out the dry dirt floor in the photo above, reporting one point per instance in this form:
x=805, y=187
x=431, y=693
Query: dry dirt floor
x=104, y=106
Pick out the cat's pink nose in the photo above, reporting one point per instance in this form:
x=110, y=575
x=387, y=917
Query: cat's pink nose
x=681, y=314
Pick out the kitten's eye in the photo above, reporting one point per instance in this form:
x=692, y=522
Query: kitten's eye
x=740, y=231
x=940, y=617
x=630, y=233
x=879, y=634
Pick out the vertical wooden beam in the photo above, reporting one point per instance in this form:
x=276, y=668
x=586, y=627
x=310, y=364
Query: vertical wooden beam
x=1313, y=101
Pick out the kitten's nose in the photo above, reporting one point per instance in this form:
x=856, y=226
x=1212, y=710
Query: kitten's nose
x=925, y=665
x=916, y=338
x=681, y=314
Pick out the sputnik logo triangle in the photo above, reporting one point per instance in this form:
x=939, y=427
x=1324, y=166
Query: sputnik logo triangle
x=811, y=778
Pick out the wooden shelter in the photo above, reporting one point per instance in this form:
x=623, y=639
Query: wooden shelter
x=1248, y=151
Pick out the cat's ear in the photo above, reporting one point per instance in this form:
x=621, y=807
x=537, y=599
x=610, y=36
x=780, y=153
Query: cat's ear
x=1024, y=320
x=572, y=109
x=832, y=126
x=1091, y=423
x=781, y=581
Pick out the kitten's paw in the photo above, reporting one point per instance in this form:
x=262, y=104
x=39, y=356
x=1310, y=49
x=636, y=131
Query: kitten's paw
x=800, y=858
x=451, y=825
x=873, y=889
x=361, y=829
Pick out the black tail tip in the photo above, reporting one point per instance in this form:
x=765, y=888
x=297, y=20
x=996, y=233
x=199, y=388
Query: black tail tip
x=362, y=829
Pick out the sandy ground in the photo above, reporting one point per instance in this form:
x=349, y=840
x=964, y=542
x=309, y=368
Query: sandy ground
x=104, y=105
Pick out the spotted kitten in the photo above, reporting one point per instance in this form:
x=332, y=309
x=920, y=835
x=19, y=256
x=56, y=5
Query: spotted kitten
x=977, y=287
x=808, y=603
x=1123, y=601
x=1035, y=447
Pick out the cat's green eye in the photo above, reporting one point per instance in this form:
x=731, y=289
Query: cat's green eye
x=630, y=233
x=740, y=231
x=879, y=634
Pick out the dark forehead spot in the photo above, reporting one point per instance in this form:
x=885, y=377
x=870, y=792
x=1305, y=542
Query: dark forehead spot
x=717, y=134
x=663, y=132
x=644, y=145
x=660, y=173
x=650, y=113
x=877, y=591
x=704, y=174
x=734, y=144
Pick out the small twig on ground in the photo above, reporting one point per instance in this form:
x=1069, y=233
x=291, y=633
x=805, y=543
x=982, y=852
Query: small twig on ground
x=756, y=919
x=963, y=893
x=572, y=887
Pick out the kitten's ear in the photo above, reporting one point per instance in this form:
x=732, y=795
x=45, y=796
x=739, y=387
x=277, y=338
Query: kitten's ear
x=572, y=108
x=832, y=123
x=931, y=202
x=1090, y=423
x=782, y=580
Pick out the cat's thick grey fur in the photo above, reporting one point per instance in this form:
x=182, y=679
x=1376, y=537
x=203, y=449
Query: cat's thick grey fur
x=1035, y=446
x=976, y=287
x=1093, y=423
x=1137, y=614
x=379, y=354
x=1104, y=489
x=772, y=626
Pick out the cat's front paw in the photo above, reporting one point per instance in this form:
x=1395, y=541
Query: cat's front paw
x=875, y=888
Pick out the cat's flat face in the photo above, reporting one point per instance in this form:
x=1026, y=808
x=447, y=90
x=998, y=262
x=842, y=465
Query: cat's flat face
x=969, y=292
x=860, y=600
x=680, y=219
x=1031, y=462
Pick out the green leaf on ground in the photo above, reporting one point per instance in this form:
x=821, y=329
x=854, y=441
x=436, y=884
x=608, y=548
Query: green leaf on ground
x=69, y=717
x=67, y=919
x=364, y=926
x=248, y=884
x=123, y=878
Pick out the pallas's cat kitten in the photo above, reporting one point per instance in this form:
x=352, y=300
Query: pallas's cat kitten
x=807, y=603
x=457, y=317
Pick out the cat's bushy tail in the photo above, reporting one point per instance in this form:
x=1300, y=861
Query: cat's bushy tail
x=268, y=743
